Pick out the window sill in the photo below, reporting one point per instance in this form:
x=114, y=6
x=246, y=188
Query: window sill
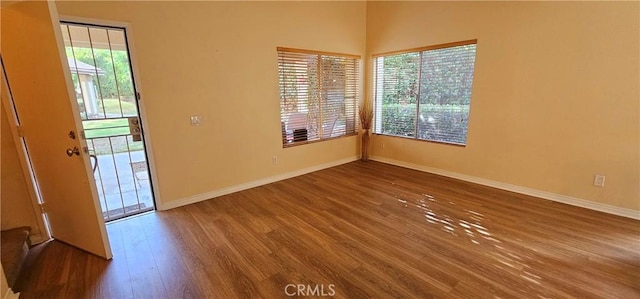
x=294, y=144
x=422, y=140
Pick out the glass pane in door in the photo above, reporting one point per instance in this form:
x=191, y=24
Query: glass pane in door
x=99, y=62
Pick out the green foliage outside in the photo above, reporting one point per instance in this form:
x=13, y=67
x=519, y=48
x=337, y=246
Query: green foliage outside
x=115, y=97
x=440, y=81
x=121, y=144
x=100, y=130
x=447, y=75
x=399, y=119
x=106, y=127
x=115, y=63
x=444, y=123
x=400, y=78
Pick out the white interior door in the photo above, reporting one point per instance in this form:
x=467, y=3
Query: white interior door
x=41, y=89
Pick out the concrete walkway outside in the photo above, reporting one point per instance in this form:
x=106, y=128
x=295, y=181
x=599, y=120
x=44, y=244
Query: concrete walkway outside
x=119, y=187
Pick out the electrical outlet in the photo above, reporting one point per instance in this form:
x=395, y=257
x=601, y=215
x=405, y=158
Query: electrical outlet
x=274, y=160
x=599, y=180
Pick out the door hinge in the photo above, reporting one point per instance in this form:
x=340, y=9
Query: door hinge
x=20, y=130
x=82, y=135
x=42, y=206
x=138, y=96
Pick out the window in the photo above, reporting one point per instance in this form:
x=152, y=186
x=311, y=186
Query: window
x=318, y=95
x=425, y=93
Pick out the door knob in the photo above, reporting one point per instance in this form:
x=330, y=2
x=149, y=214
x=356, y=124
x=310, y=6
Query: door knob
x=75, y=150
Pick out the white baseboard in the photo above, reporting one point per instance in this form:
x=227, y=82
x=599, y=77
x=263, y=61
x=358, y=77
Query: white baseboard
x=252, y=184
x=574, y=201
x=11, y=295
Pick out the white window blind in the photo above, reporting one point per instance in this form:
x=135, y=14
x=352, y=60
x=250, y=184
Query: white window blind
x=319, y=95
x=425, y=93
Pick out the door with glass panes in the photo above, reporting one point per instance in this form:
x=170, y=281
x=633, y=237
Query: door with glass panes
x=100, y=66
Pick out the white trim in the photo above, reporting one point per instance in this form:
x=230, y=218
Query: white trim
x=42, y=229
x=11, y=295
x=252, y=184
x=574, y=201
x=142, y=112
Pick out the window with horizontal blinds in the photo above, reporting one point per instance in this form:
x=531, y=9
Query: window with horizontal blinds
x=425, y=93
x=319, y=95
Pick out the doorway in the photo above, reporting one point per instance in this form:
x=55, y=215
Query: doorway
x=100, y=66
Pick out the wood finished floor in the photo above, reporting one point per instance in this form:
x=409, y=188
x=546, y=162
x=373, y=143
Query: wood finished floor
x=371, y=229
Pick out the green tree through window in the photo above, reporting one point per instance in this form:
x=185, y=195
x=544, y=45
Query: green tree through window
x=425, y=94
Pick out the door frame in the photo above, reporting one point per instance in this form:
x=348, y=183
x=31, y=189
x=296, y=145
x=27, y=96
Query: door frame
x=44, y=233
x=135, y=77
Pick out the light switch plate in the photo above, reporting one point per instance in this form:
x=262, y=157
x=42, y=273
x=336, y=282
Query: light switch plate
x=598, y=180
x=195, y=120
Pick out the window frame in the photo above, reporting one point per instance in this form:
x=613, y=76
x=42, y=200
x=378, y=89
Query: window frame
x=320, y=91
x=374, y=80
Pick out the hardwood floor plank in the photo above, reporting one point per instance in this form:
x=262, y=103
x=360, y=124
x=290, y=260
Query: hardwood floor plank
x=116, y=281
x=143, y=271
x=370, y=230
x=176, y=278
x=236, y=281
x=250, y=252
